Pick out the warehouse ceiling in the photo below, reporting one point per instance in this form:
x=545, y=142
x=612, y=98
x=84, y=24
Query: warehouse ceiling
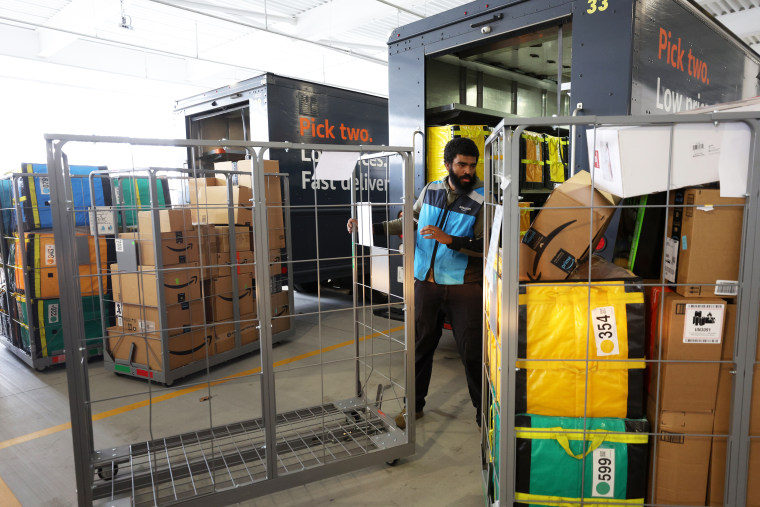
x=211, y=43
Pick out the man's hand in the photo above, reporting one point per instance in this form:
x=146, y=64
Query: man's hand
x=433, y=232
x=352, y=224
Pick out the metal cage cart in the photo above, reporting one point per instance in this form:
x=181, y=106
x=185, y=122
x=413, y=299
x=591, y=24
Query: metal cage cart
x=265, y=421
x=32, y=327
x=600, y=386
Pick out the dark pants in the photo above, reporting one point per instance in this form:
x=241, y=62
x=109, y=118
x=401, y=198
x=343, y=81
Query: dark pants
x=463, y=305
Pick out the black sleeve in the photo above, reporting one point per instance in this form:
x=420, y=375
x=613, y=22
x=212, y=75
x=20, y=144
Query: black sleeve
x=378, y=229
x=463, y=242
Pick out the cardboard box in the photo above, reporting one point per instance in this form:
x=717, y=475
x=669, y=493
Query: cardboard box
x=180, y=247
x=181, y=282
x=631, y=161
x=209, y=203
x=558, y=240
x=273, y=196
x=179, y=317
x=219, y=306
x=244, y=262
x=170, y=220
x=703, y=243
x=275, y=262
x=753, y=485
x=682, y=459
x=692, y=330
x=280, y=311
x=207, y=235
x=242, y=238
x=147, y=349
x=224, y=334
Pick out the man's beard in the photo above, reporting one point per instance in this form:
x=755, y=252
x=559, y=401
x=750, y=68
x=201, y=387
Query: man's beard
x=459, y=184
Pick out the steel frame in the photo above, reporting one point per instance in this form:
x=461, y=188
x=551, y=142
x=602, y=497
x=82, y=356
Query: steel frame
x=502, y=159
x=355, y=432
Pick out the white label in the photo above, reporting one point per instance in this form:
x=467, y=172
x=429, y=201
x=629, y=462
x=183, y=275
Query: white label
x=726, y=288
x=53, y=314
x=703, y=323
x=117, y=194
x=117, y=309
x=605, y=331
x=604, y=473
x=671, y=259
x=119, y=244
x=45, y=185
x=119, y=322
x=50, y=255
x=103, y=219
x=400, y=274
x=146, y=325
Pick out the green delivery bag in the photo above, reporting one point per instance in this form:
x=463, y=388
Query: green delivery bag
x=133, y=195
x=558, y=463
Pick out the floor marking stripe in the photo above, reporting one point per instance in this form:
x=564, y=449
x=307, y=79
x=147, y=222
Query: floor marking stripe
x=174, y=394
x=7, y=498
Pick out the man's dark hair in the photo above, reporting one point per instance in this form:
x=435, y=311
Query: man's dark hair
x=460, y=146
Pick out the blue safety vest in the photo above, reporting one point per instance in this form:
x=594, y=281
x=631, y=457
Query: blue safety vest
x=456, y=219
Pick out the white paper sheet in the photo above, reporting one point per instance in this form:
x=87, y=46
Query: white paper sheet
x=336, y=165
x=493, y=249
x=734, y=159
x=364, y=217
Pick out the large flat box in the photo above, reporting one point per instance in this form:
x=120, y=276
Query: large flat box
x=147, y=349
x=280, y=312
x=219, y=306
x=179, y=247
x=169, y=220
x=244, y=263
x=631, y=161
x=210, y=197
x=224, y=334
x=703, y=243
x=692, y=330
x=682, y=459
x=179, y=317
x=558, y=240
x=181, y=283
x=273, y=195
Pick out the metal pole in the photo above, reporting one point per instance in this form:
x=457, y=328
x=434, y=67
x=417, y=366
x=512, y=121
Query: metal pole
x=73, y=324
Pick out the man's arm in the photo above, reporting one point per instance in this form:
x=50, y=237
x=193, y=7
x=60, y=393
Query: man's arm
x=396, y=226
x=470, y=246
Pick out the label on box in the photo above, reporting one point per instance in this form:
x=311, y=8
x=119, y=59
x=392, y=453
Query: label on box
x=670, y=260
x=53, y=314
x=117, y=194
x=604, y=473
x=119, y=321
x=726, y=288
x=103, y=219
x=118, y=309
x=605, y=331
x=703, y=323
x=44, y=185
x=119, y=244
x=50, y=255
x=146, y=325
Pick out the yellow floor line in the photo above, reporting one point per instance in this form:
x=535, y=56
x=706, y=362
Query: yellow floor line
x=174, y=394
x=7, y=498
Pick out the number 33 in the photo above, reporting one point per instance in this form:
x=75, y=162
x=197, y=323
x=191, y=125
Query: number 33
x=594, y=8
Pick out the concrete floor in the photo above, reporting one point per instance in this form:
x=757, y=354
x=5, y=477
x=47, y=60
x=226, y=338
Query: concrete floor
x=36, y=454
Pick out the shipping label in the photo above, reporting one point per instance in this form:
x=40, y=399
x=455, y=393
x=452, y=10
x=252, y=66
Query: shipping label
x=670, y=260
x=604, y=473
x=703, y=323
x=102, y=219
x=53, y=314
x=605, y=331
x=119, y=244
x=50, y=255
x=726, y=287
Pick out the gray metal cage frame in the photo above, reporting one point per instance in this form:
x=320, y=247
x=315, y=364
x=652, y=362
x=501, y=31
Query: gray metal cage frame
x=392, y=445
x=502, y=159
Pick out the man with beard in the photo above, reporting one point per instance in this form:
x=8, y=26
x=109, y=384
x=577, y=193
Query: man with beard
x=448, y=269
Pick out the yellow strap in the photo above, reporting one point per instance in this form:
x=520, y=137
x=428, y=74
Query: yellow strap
x=41, y=320
x=564, y=442
x=538, y=296
x=532, y=162
x=137, y=193
x=549, y=434
x=579, y=365
x=561, y=501
x=33, y=196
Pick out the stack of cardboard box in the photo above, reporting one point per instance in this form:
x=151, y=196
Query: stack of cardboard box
x=140, y=283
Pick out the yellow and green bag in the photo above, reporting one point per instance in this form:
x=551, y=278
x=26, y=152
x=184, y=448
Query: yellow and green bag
x=437, y=137
x=558, y=354
x=531, y=160
x=563, y=460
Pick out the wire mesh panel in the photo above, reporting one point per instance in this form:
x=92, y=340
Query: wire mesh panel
x=191, y=279
x=622, y=323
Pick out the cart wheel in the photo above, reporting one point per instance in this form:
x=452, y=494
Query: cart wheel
x=105, y=473
x=40, y=368
x=393, y=462
x=168, y=384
